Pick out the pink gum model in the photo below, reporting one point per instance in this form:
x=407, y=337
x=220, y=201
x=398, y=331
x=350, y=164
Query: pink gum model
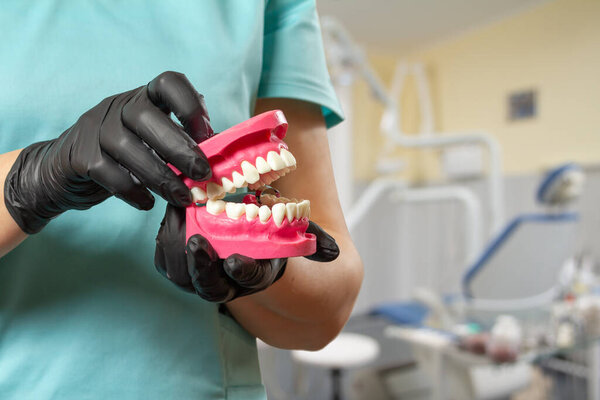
x=242, y=156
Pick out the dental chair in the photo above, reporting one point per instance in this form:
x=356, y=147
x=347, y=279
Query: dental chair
x=519, y=268
x=516, y=272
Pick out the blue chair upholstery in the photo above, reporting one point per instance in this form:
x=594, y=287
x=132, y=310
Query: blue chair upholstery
x=403, y=313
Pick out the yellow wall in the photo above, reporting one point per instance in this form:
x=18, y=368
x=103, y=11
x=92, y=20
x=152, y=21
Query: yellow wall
x=553, y=48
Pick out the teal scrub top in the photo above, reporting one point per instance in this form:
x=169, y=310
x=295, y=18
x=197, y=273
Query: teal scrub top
x=83, y=313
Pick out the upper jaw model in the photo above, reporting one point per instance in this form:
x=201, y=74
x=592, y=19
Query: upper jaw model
x=251, y=154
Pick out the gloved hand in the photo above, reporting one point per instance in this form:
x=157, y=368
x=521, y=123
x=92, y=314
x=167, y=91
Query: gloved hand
x=120, y=147
x=201, y=271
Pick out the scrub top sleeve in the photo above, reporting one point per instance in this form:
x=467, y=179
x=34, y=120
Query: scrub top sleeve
x=293, y=58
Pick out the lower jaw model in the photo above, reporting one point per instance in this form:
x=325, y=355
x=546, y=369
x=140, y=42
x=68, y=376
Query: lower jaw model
x=251, y=154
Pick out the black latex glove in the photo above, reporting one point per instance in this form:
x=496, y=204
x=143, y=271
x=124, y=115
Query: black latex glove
x=200, y=270
x=120, y=147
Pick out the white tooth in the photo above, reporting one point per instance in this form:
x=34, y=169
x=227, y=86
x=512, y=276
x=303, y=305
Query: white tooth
x=251, y=211
x=275, y=161
x=264, y=213
x=198, y=195
x=278, y=213
x=291, y=210
x=250, y=172
x=238, y=180
x=234, y=210
x=228, y=185
x=215, y=207
x=262, y=166
x=304, y=209
x=213, y=190
x=288, y=158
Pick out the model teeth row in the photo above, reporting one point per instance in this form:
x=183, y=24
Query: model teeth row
x=278, y=212
x=261, y=173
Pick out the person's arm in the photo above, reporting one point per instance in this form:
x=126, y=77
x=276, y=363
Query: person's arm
x=10, y=233
x=121, y=147
x=310, y=304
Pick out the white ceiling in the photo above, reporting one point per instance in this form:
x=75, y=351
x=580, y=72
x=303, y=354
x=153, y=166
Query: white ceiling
x=398, y=26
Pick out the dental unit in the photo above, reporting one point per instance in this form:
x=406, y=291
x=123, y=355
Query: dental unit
x=251, y=154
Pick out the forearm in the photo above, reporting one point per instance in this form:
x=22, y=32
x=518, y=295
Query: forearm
x=308, y=306
x=10, y=233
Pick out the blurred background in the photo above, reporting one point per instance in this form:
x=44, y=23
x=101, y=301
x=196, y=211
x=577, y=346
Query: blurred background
x=469, y=172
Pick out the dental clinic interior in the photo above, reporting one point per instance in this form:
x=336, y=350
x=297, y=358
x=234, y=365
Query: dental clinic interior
x=468, y=169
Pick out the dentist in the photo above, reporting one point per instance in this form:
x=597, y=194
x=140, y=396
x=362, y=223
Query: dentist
x=83, y=314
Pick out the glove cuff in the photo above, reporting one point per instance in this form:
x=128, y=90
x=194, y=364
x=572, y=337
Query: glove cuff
x=22, y=192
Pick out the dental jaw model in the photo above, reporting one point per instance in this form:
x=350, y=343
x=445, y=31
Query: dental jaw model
x=251, y=154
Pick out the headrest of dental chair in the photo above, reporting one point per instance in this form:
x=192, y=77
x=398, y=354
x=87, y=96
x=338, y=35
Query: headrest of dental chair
x=561, y=185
